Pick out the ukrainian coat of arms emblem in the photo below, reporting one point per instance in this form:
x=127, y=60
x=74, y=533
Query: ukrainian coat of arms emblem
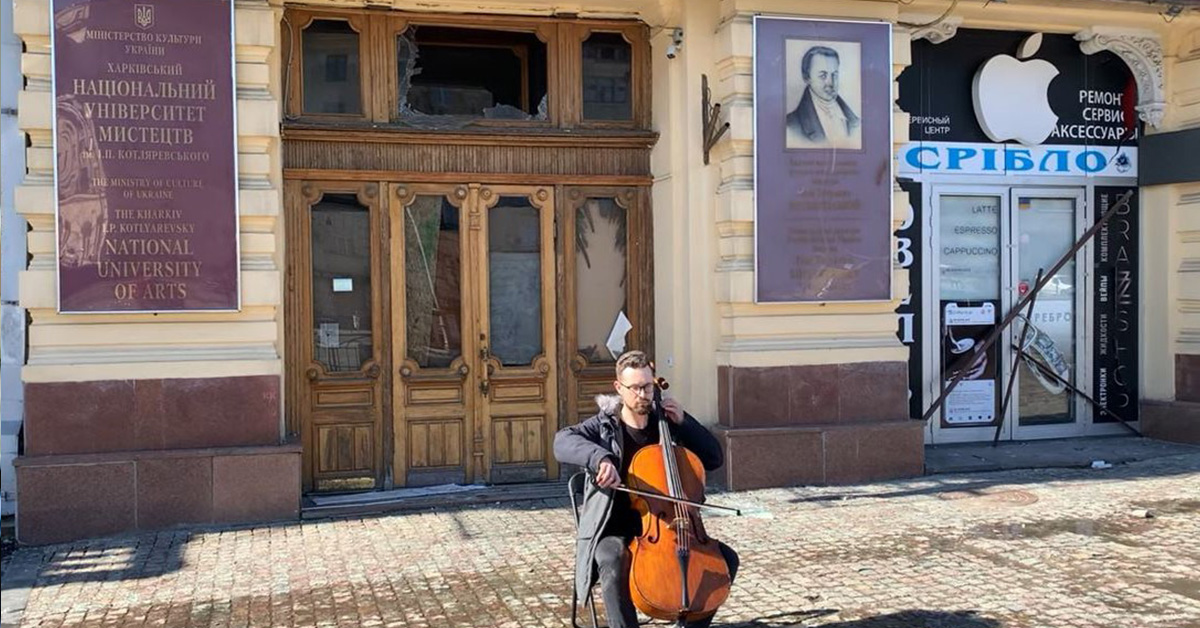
x=143, y=15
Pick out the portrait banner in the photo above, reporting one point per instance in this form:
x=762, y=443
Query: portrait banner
x=146, y=155
x=822, y=160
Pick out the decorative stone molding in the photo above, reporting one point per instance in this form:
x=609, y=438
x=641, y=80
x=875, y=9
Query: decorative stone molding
x=936, y=33
x=1142, y=52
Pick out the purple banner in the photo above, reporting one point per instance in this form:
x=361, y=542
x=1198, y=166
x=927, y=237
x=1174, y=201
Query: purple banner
x=145, y=145
x=823, y=160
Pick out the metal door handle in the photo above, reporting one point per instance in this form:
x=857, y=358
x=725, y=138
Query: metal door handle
x=484, y=355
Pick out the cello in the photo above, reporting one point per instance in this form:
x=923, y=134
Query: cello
x=677, y=572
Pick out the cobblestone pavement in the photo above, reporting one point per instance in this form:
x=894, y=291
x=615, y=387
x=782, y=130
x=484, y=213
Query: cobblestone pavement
x=1036, y=549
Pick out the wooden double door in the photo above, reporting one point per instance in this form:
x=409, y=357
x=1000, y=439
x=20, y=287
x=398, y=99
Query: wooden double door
x=426, y=325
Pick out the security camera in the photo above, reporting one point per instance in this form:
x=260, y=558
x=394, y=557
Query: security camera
x=676, y=43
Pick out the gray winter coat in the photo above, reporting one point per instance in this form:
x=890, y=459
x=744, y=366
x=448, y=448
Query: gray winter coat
x=596, y=438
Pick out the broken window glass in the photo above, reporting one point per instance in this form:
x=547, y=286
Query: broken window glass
x=470, y=73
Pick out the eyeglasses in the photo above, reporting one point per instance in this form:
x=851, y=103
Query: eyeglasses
x=642, y=391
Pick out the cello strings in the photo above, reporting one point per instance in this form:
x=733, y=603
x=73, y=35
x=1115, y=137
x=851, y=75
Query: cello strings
x=673, y=483
x=681, y=535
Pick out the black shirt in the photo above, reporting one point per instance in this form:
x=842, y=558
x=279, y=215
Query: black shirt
x=624, y=520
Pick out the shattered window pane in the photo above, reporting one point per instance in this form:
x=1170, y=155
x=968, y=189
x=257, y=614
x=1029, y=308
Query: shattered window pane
x=470, y=73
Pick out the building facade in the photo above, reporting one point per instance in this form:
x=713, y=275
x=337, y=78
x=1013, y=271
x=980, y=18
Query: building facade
x=447, y=220
x=12, y=261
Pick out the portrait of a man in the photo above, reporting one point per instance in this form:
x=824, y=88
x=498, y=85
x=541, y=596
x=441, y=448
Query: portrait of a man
x=823, y=79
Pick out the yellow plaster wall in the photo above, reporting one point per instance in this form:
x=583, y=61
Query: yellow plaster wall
x=1047, y=16
x=703, y=215
x=750, y=334
x=684, y=216
x=79, y=347
x=1172, y=249
x=747, y=334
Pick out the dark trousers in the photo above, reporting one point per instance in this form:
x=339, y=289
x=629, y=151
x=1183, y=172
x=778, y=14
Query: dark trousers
x=612, y=561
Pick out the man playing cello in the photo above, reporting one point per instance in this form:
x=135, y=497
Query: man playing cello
x=605, y=444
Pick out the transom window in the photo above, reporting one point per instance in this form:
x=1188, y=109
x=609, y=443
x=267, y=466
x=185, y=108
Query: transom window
x=452, y=72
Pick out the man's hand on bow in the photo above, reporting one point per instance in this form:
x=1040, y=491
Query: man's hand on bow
x=607, y=475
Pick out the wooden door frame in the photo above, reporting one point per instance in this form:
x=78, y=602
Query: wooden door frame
x=635, y=198
x=402, y=193
x=300, y=197
x=542, y=198
x=377, y=30
x=477, y=453
x=639, y=273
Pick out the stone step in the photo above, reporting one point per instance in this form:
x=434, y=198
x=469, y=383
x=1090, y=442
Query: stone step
x=374, y=503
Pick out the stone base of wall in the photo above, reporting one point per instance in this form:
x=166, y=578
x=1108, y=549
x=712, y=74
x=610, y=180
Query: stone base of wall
x=69, y=497
x=1187, y=377
x=816, y=424
x=1178, y=421
x=832, y=454
x=135, y=415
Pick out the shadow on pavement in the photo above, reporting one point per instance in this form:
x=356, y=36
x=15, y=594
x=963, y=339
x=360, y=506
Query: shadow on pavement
x=154, y=553
x=118, y=558
x=979, y=483
x=1040, y=454
x=781, y=620
x=903, y=619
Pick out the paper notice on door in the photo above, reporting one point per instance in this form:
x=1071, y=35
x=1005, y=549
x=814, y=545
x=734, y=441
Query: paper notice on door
x=966, y=315
x=616, y=337
x=972, y=402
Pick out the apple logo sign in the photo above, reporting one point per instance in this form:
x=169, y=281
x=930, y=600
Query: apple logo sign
x=1010, y=96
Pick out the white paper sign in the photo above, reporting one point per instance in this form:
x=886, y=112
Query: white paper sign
x=972, y=401
x=343, y=284
x=616, y=337
x=964, y=315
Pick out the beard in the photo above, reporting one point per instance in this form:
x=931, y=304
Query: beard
x=642, y=407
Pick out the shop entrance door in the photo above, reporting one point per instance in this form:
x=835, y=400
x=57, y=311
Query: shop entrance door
x=987, y=243
x=473, y=333
x=1046, y=223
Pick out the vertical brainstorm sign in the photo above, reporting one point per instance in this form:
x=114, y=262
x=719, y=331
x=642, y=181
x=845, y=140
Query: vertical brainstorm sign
x=146, y=170
x=822, y=160
x=1115, y=298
